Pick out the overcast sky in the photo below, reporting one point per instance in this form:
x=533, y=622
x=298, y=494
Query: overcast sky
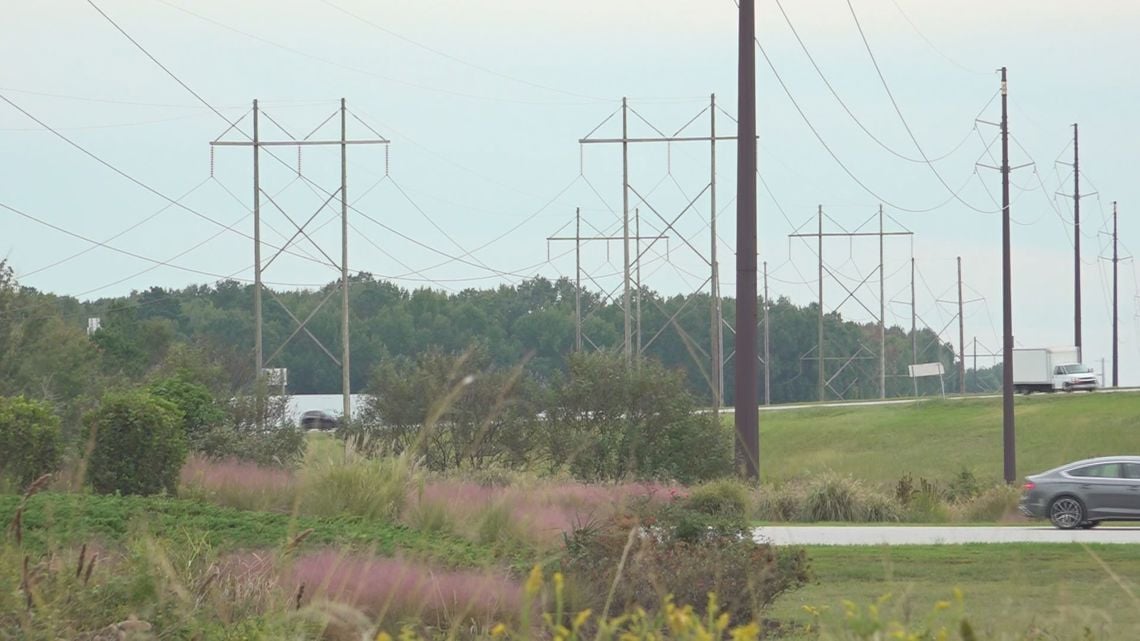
x=484, y=102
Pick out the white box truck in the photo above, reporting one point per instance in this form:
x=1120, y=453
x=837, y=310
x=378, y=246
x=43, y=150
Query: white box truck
x=1050, y=369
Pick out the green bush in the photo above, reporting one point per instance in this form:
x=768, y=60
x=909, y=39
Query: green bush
x=834, y=498
x=780, y=503
x=724, y=497
x=609, y=421
x=746, y=576
x=30, y=438
x=254, y=427
x=138, y=445
x=371, y=488
x=991, y=505
x=200, y=412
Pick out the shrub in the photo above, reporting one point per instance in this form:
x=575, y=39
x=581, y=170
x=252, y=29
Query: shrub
x=609, y=421
x=30, y=438
x=724, y=497
x=994, y=504
x=747, y=575
x=833, y=498
x=878, y=508
x=926, y=507
x=138, y=445
x=200, y=412
x=497, y=524
x=963, y=487
x=779, y=503
x=255, y=428
x=430, y=516
x=356, y=486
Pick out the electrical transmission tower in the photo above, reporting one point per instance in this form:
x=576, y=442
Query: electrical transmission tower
x=303, y=230
x=821, y=358
x=580, y=336
x=668, y=223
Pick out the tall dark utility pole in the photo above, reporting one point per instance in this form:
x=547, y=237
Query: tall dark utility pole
x=747, y=408
x=961, y=336
x=1077, y=244
x=1007, y=422
x=1115, y=310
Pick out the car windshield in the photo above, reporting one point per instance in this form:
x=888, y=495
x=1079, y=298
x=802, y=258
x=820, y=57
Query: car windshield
x=1076, y=369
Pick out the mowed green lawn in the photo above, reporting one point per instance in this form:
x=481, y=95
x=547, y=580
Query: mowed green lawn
x=1008, y=588
x=938, y=438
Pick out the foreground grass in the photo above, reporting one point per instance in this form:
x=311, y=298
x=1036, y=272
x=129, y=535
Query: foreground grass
x=71, y=519
x=936, y=439
x=1009, y=589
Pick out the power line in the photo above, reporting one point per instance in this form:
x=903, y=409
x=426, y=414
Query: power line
x=898, y=111
x=160, y=263
x=455, y=59
x=936, y=49
x=131, y=178
x=113, y=237
x=359, y=70
x=852, y=115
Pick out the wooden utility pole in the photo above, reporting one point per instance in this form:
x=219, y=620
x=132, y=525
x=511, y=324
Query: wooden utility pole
x=1009, y=441
x=913, y=327
x=819, y=348
x=628, y=345
x=1077, y=245
x=767, y=345
x=747, y=414
x=346, y=372
x=577, y=279
x=961, y=336
x=882, y=315
x=1115, y=301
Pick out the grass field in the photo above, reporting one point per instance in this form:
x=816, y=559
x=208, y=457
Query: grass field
x=1008, y=589
x=73, y=519
x=936, y=439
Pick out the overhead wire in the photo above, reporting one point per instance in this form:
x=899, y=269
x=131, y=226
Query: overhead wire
x=126, y=175
x=360, y=70
x=851, y=114
x=456, y=59
x=898, y=111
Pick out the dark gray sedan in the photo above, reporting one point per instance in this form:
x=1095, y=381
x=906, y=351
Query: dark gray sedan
x=1084, y=493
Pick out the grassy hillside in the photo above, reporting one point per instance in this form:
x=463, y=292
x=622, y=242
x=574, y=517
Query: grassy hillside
x=936, y=439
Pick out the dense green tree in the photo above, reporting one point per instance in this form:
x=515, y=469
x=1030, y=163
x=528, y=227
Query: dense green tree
x=32, y=443
x=608, y=421
x=138, y=445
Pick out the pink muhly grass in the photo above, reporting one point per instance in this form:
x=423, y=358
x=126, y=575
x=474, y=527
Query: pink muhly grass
x=395, y=588
x=544, y=512
x=239, y=484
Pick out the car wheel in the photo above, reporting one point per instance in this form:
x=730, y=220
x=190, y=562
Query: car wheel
x=1088, y=525
x=1066, y=512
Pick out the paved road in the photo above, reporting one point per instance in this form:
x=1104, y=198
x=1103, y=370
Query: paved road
x=895, y=535
x=911, y=401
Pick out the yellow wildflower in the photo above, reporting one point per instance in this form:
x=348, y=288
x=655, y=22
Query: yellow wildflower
x=942, y=605
x=534, y=582
x=722, y=623
x=498, y=630
x=582, y=618
x=383, y=636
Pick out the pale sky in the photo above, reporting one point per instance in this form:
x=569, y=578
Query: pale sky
x=484, y=103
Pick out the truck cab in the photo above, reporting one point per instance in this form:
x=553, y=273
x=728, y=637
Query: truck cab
x=1070, y=377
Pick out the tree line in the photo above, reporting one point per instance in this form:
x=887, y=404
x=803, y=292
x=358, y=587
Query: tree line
x=45, y=351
